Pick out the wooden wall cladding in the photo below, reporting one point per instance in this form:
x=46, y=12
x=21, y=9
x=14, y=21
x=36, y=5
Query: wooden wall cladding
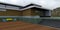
x=10, y=13
x=27, y=12
x=2, y=13
x=13, y=13
x=41, y=13
x=33, y=12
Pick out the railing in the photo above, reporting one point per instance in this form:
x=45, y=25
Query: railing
x=21, y=18
x=30, y=20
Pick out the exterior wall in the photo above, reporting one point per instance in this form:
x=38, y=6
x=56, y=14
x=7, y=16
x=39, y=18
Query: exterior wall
x=2, y=13
x=29, y=12
x=34, y=13
x=41, y=13
x=13, y=13
x=10, y=13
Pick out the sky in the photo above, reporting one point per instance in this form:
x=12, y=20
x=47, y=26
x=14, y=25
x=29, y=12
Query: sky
x=48, y=4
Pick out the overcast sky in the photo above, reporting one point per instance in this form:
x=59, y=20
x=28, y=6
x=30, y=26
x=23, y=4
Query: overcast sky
x=48, y=4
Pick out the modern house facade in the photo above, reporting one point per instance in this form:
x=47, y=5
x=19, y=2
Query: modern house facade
x=29, y=10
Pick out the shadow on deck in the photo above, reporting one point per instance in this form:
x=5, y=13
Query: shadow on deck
x=51, y=22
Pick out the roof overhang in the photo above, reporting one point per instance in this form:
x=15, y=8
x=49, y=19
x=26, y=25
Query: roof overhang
x=25, y=7
x=32, y=6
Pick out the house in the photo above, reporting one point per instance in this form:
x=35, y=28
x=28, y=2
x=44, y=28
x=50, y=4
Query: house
x=40, y=11
x=28, y=10
x=9, y=10
x=56, y=12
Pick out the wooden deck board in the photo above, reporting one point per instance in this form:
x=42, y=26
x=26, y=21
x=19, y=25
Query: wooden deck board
x=22, y=26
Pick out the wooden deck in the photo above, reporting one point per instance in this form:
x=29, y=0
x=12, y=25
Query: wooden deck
x=22, y=26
